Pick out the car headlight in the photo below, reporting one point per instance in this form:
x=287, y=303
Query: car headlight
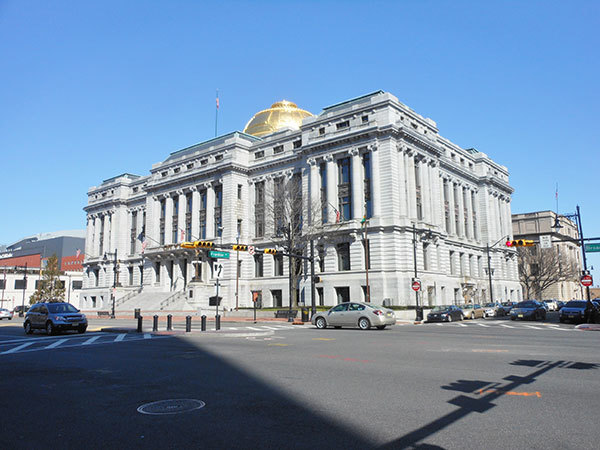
x=61, y=318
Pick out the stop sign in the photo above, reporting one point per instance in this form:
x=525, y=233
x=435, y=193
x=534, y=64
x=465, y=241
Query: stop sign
x=416, y=285
x=587, y=280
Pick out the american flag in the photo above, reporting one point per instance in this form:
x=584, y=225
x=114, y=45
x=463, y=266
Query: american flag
x=78, y=253
x=182, y=234
x=144, y=245
x=338, y=216
x=217, y=102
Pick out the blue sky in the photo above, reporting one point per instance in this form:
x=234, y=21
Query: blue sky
x=93, y=89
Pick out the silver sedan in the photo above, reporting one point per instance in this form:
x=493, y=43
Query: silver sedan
x=5, y=314
x=354, y=314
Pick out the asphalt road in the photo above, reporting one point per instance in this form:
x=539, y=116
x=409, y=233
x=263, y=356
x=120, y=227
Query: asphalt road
x=475, y=384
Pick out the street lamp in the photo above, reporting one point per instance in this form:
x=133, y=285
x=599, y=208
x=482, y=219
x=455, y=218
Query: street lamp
x=114, y=289
x=24, y=289
x=489, y=270
x=428, y=235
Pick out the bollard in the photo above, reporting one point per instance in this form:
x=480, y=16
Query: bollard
x=169, y=322
x=217, y=322
x=139, y=326
x=203, y=323
x=188, y=324
x=155, y=323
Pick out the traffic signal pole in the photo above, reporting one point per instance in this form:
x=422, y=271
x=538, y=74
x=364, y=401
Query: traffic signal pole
x=419, y=314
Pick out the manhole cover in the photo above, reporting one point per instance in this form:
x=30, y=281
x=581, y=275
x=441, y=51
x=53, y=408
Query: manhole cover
x=176, y=406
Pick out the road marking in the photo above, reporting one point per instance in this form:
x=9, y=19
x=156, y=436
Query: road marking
x=16, y=349
x=323, y=339
x=57, y=343
x=462, y=325
x=147, y=336
x=252, y=328
x=532, y=327
x=90, y=340
x=439, y=324
x=483, y=325
x=501, y=391
x=270, y=328
x=120, y=337
x=505, y=326
x=232, y=328
x=279, y=345
x=485, y=350
x=341, y=358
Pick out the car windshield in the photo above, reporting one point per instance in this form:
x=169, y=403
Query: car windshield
x=490, y=305
x=529, y=304
x=375, y=306
x=577, y=304
x=61, y=308
x=466, y=306
x=440, y=308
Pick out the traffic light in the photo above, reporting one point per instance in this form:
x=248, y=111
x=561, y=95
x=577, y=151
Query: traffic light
x=204, y=244
x=188, y=245
x=520, y=243
x=318, y=279
x=240, y=247
x=272, y=251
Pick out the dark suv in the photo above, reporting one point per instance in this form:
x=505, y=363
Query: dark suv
x=53, y=317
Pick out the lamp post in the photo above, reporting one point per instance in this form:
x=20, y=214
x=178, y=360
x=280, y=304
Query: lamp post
x=24, y=289
x=490, y=271
x=419, y=311
x=364, y=222
x=114, y=289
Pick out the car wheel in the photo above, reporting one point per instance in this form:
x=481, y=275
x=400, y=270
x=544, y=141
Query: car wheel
x=10, y=318
x=320, y=323
x=363, y=323
x=449, y=318
x=49, y=329
x=462, y=317
x=513, y=318
x=27, y=326
x=561, y=320
x=81, y=330
x=337, y=328
x=381, y=327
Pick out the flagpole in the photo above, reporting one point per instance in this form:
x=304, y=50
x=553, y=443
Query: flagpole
x=217, y=114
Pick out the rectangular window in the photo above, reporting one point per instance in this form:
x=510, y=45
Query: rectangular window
x=239, y=192
x=342, y=125
x=218, y=157
x=239, y=227
x=133, y=232
x=277, y=298
x=218, y=209
x=425, y=256
x=176, y=170
x=474, y=214
x=163, y=213
x=258, y=266
x=320, y=296
x=277, y=149
x=298, y=143
x=452, y=271
x=456, y=215
x=323, y=174
x=190, y=166
x=259, y=154
x=321, y=253
x=157, y=272
x=20, y=283
x=101, y=249
x=343, y=251
x=465, y=213
x=204, y=162
x=279, y=203
x=130, y=273
x=96, y=277
x=365, y=119
x=202, y=214
x=447, y=206
x=461, y=264
x=321, y=131
x=278, y=265
x=479, y=266
x=366, y=160
x=2, y=284
x=77, y=284
x=259, y=209
x=345, y=189
x=175, y=221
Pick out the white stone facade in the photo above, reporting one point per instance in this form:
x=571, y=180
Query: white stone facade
x=458, y=201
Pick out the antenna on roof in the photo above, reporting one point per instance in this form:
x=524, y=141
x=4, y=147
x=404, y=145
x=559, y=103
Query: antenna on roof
x=217, y=113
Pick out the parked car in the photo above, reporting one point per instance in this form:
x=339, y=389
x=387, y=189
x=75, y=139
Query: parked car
x=5, y=314
x=445, y=314
x=528, y=309
x=573, y=311
x=354, y=314
x=552, y=304
x=560, y=304
x=54, y=317
x=493, y=310
x=472, y=311
x=508, y=306
x=20, y=308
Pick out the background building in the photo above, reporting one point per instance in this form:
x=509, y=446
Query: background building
x=21, y=264
x=566, y=244
x=370, y=157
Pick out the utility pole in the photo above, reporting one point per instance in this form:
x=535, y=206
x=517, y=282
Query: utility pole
x=237, y=272
x=487, y=248
x=313, y=305
x=366, y=245
x=114, y=291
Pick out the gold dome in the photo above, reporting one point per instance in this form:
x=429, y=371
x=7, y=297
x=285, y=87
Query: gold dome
x=280, y=115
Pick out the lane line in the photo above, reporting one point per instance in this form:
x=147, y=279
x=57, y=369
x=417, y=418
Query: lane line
x=147, y=336
x=90, y=340
x=16, y=349
x=120, y=337
x=252, y=328
x=462, y=325
x=57, y=343
x=483, y=325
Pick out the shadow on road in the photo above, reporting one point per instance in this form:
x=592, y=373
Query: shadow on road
x=487, y=392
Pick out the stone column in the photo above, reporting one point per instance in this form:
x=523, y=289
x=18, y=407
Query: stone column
x=331, y=188
x=181, y=215
x=195, y=213
x=358, y=197
x=211, y=233
x=402, y=183
x=426, y=191
x=412, y=187
x=452, y=229
x=375, y=186
x=314, y=205
x=461, y=212
x=89, y=239
x=469, y=205
x=169, y=220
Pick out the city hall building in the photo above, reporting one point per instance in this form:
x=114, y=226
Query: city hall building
x=431, y=207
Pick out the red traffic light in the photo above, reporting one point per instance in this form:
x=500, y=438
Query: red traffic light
x=509, y=243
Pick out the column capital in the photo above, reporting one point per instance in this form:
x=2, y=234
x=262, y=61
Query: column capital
x=354, y=151
x=328, y=158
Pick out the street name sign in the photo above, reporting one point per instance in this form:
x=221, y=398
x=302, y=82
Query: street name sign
x=587, y=280
x=545, y=241
x=217, y=254
x=592, y=247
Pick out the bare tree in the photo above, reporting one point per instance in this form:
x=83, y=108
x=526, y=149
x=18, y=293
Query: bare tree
x=540, y=269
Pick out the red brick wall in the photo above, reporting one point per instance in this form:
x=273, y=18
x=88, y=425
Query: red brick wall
x=72, y=263
x=30, y=260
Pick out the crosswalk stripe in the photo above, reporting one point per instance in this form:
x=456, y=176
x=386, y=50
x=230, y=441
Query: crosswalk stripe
x=147, y=336
x=462, y=325
x=232, y=328
x=439, y=324
x=271, y=328
x=532, y=327
x=120, y=337
x=506, y=326
x=90, y=340
x=57, y=343
x=16, y=349
x=483, y=325
x=252, y=328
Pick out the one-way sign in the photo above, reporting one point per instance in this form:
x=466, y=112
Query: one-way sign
x=218, y=270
